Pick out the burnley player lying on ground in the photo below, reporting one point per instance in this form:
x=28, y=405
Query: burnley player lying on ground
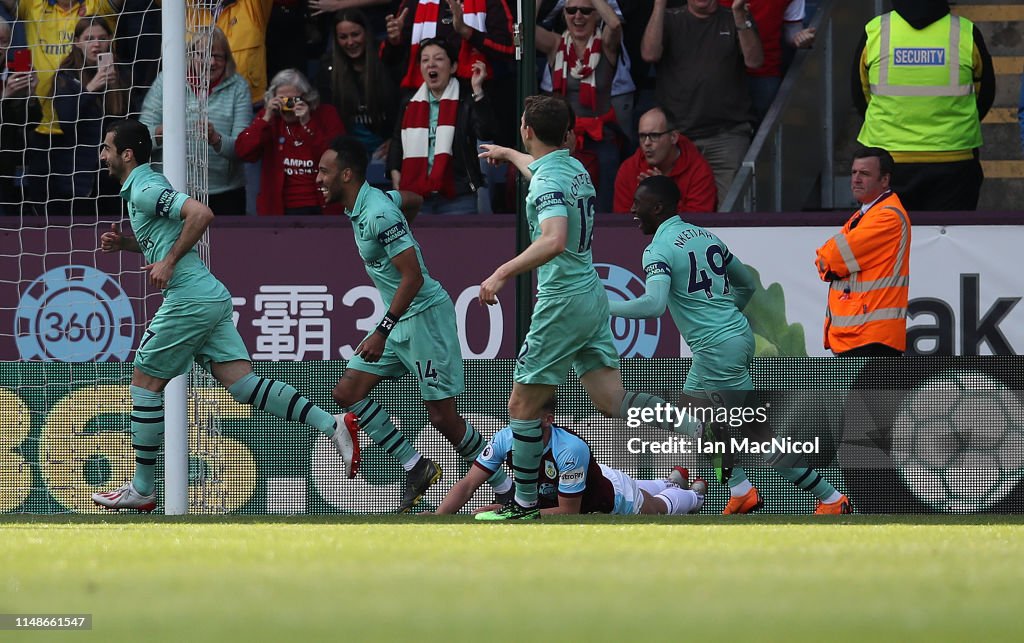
x=571, y=481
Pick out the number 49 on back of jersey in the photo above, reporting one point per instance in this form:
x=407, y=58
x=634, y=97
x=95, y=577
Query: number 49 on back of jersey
x=714, y=259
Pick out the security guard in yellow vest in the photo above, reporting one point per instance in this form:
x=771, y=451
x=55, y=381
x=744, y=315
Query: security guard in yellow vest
x=924, y=80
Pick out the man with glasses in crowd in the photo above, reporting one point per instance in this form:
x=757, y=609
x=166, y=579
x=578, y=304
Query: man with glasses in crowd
x=664, y=151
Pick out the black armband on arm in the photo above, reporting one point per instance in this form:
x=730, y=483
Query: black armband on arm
x=387, y=324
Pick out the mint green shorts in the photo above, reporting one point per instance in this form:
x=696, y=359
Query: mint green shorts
x=183, y=332
x=568, y=331
x=426, y=345
x=722, y=367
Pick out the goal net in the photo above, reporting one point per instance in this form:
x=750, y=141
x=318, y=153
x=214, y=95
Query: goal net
x=71, y=316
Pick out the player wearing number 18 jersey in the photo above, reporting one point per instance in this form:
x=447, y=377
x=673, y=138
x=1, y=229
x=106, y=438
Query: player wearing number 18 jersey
x=570, y=322
x=570, y=325
x=705, y=287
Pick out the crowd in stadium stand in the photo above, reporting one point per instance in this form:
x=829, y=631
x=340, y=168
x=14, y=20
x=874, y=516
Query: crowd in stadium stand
x=229, y=111
x=670, y=86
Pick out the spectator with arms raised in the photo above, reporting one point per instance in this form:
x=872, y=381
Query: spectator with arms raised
x=701, y=53
x=583, y=60
x=433, y=152
x=476, y=29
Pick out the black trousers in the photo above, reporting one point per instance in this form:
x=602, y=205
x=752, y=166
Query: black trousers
x=924, y=187
x=871, y=350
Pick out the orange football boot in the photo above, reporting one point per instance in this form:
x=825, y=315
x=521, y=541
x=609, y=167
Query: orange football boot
x=841, y=506
x=748, y=502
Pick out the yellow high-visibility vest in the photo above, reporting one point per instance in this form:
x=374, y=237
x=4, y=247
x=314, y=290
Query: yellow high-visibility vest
x=922, y=86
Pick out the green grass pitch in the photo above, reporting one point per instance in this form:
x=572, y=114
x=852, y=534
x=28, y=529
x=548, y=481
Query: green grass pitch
x=595, y=578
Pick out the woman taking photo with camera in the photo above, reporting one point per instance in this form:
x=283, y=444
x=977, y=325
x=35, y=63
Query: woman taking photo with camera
x=288, y=135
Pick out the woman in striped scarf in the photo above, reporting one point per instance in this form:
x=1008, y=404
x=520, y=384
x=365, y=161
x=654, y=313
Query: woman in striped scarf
x=433, y=152
x=583, y=60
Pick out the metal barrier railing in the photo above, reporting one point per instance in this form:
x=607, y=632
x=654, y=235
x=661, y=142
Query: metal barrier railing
x=790, y=164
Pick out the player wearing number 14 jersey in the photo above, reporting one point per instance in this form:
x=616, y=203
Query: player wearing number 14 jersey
x=705, y=287
x=418, y=333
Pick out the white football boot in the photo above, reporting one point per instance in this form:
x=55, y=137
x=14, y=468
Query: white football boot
x=126, y=497
x=346, y=442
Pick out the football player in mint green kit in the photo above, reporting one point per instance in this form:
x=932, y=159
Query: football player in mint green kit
x=570, y=326
x=192, y=324
x=418, y=333
x=705, y=288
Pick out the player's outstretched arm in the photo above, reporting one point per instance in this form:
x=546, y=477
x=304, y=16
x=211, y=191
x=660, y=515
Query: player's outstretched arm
x=566, y=505
x=463, y=490
x=498, y=154
x=197, y=218
x=648, y=305
x=550, y=244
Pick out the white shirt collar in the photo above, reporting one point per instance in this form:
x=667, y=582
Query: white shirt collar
x=867, y=206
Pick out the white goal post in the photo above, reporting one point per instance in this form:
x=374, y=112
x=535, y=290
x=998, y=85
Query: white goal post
x=175, y=152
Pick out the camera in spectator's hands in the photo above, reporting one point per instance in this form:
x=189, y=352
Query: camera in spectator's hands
x=288, y=104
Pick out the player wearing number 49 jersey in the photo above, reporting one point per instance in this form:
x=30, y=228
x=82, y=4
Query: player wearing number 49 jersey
x=418, y=334
x=705, y=287
x=192, y=324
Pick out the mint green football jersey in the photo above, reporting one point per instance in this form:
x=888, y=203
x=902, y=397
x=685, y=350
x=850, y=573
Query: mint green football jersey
x=701, y=301
x=561, y=187
x=154, y=208
x=382, y=233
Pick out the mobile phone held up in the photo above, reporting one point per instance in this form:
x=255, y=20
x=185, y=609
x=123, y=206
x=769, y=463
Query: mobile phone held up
x=104, y=60
x=22, y=62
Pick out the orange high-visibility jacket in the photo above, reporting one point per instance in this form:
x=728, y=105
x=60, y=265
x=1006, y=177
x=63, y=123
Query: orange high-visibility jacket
x=868, y=267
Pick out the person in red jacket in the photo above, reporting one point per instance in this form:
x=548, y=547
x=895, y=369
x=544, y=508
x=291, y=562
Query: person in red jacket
x=289, y=135
x=665, y=151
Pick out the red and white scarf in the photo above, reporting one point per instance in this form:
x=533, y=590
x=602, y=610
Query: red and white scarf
x=567, y=62
x=416, y=141
x=474, y=14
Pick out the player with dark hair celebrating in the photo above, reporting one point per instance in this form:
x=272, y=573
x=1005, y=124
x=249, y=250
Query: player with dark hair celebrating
x=570, y=326
x=418, y=334
x=194, y=321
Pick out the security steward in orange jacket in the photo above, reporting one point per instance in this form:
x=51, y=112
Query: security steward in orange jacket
x=867, y=266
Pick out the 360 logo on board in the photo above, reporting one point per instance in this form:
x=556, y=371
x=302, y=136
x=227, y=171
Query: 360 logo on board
x=633, y=337
x=74, y=314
